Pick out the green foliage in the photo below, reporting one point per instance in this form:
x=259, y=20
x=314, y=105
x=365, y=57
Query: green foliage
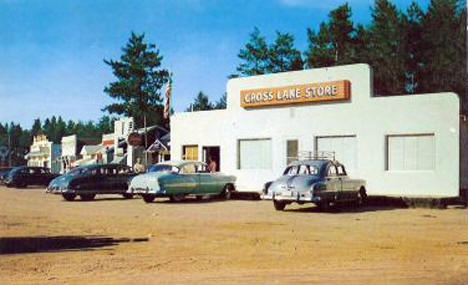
x=201, y=103
x=222, y=102
x=335, y=43
x=254, y=55
x=139, y=82
x=260, y=58
x=386, y=49
x=443, y=48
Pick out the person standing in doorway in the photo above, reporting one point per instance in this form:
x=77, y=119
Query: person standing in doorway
x=212, y=165
x=138, y=167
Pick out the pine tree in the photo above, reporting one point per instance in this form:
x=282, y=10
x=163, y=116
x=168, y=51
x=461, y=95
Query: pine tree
x=386, y=48
x=139, y=82
x=444, y=48
x=413, y=47
x=222, y=102
x=201, y=103
x=282, y=55
x=335, y=42
x=254, y=56
x=37, y=127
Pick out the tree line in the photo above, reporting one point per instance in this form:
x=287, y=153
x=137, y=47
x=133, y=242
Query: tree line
x=412, y=51
x=19, y=139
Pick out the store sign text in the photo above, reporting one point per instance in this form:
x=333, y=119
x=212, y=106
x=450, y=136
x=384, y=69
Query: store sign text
x=313, y=92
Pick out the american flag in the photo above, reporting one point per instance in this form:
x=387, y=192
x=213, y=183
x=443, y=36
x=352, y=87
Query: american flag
x=167, y=100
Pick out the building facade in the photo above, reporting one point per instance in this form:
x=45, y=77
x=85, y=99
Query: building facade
x=401, y=145
x=44, y=153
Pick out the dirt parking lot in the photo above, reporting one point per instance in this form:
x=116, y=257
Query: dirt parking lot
x=44, y=240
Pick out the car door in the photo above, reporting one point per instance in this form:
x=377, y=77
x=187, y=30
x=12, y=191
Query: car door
x=121, y=178
x=109, y=178
x=333, y=182
x=185, y=182
x=208, y=183
x=347, y=192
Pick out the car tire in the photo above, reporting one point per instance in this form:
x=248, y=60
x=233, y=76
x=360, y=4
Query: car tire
x=127, y=196
x=227, y=192
x=68, y=196
x=361, y=197
x=324, y=206
x=279, y=205
x=148, y=198
x=87, y=197
x=177, y=197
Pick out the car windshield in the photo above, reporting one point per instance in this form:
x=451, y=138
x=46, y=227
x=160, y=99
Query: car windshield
x=161, y=168
x=301, y=169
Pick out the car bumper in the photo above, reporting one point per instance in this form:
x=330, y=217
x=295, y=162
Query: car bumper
x=58, y=190
x=145, y=190
x=292, y=196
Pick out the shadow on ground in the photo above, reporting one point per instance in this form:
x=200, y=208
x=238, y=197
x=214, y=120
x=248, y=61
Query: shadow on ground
x=18, y=245
x=373, y=203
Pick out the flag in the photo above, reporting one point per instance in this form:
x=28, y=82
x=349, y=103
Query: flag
x=167, y=100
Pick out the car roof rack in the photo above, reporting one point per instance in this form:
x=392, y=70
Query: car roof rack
x=305, y=155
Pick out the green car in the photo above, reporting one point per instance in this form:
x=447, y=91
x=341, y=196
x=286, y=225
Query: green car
x=178, y=179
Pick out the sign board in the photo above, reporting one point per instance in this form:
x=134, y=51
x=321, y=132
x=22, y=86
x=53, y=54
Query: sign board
x=134, y=139
x=296, y=94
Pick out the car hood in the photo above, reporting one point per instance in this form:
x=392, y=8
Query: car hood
x=294, y=182
x=61, y=180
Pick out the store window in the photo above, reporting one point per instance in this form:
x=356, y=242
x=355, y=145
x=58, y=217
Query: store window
x=292, y=147
x=344, y=147
x=254, y=154
x=190, y=152
x=410, y=152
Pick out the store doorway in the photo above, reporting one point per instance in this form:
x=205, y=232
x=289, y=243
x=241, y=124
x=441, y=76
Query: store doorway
x=213, y=152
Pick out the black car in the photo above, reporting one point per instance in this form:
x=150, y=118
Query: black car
x=3, y=173
x=87, y=181
x=22, y=176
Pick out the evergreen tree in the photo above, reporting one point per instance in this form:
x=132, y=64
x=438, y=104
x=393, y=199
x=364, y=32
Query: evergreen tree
x=282, y=56
x=335, y=42
x=444, y=48
x=386, y=49
x=413, y=47
x=254, y=55
x=201, y=102
x=37, y=127
x=222, y=102
x=139, y=82
x=319, y=52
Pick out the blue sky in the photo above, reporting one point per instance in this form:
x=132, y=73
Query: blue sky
x=52, y=51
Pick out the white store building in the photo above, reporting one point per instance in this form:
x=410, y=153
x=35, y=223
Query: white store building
x=401, y=145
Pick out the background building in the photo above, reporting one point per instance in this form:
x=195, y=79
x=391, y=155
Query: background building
x=44, y=153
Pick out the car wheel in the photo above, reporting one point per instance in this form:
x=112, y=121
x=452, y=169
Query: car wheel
x=324, y=206
x=87, y=197
x=68, y=196
x=148, y=198
x=361, y=197
x=127, y=195
x=227, y=192
x=279, y=205
x=177, y=197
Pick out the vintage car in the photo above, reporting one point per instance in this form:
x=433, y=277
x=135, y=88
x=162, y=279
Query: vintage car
x=22, y=176
x=178, y=179
x=319, y=181
x=87, y=181
x=3, y=173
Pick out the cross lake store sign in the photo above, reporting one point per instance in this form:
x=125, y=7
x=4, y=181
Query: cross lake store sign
x=296, y=94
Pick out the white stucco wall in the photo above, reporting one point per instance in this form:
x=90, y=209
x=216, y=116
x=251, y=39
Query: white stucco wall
x=369, y=118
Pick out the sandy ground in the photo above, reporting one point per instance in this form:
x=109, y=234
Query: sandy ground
x=45, y=240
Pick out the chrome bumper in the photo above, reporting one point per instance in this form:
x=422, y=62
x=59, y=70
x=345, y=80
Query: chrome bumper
x=292, y=196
